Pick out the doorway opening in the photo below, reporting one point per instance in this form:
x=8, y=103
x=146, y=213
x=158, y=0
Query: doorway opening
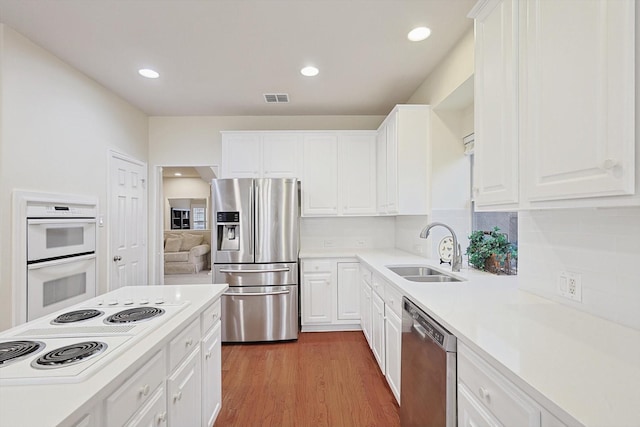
x=185, y=218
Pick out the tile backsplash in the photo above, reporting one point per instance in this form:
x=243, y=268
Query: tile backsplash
x=356, y=232
x=602, y=245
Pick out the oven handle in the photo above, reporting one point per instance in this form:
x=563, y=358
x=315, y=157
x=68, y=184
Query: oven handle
x=271, y=270
x=61, y=261
x=61, y=221
x=255, y=294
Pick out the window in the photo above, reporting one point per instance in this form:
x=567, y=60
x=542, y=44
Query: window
x=199, y=219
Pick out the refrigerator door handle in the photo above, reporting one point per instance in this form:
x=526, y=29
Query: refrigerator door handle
x=271, y=270
x=255, y=294
x=253, y=223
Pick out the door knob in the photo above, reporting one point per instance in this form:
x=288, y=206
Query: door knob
x=117, y=258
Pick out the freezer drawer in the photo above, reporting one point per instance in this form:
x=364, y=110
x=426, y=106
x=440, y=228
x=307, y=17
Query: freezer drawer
x=278, y=274
x=260, y=313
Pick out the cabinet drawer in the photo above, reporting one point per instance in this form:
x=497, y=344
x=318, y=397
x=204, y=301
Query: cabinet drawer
x=317, y=266
x=210, y=316
x=393, y=299
x=184, y=343
x=378, y=284
x=365, y=275
x=126, y=400
x=497, y=394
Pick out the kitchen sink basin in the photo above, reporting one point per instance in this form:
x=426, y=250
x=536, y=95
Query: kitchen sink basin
x=434, y=278
x=421, y=273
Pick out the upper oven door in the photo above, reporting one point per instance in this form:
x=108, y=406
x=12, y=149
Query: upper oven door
x=50, y=238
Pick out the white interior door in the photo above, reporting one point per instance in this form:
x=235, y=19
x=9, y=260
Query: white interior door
x=128, y=222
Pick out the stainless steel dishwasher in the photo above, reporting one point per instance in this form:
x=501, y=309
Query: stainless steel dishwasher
x=428, y=383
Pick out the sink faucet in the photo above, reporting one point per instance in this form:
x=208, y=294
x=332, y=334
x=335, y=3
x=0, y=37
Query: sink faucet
x=456, y=261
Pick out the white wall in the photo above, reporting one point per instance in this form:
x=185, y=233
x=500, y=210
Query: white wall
x=183, y=188
x=57, y=129
x=451, y=120
x=602, y=245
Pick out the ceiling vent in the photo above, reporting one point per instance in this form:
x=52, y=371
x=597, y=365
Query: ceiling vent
x=276, y=98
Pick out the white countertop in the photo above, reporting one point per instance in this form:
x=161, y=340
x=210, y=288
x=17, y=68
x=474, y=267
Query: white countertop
x=52, y=404
x=571, y=362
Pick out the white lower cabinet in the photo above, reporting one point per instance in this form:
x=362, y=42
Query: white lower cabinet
x=330, y=296
x=124, y=403
x=180, y=385
x=377, y=330
x=184, y=393
x=393, y=350
x=154, y=413
x=365, y=303
x=488, y=398
x=211, y=376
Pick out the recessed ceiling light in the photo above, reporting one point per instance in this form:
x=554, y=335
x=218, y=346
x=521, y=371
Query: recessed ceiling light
x=148, y=73
x=309, y=71
x=177, y=174
x=419, y=34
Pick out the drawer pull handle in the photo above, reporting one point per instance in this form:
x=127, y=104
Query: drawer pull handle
x=207, y=355
x=177, y=396
x=484, y=393
x=160, y=418
x=144, y=390
x=189, y=342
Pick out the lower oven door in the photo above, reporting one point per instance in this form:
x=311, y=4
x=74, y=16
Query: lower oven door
x=54, y=285
x=260, y=313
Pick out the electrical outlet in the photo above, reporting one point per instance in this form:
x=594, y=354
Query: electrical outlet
x=329, y=243
x=418, y=249
x=570, y=285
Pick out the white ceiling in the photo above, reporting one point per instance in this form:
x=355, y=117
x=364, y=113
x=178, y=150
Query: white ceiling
x=218, y=57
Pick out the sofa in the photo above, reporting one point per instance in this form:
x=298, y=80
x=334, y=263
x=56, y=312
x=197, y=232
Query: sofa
x=187, y=251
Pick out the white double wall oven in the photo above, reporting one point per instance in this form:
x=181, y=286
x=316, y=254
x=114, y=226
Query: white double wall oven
x=61, y=256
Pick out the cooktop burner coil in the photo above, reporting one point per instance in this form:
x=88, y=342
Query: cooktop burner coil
x=12, y=351
x=136, y=314
x=76, y=316
x=69, y=355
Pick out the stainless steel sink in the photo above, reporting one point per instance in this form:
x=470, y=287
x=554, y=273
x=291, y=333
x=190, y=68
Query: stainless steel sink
x=434, y=278
x=421, y=273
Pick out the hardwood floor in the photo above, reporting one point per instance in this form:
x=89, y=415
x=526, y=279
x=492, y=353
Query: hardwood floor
x=323, y=379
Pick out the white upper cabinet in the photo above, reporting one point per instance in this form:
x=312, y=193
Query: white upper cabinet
x=578, y=93
x=403, y=175
x=357, y=176
x=339, y=173
x=241, y=155
x=555, y=104
x=320, y=174
x=496, y=104
x=260, y=154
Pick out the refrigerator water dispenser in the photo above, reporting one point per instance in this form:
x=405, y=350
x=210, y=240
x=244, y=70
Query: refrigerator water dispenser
x=228, y=224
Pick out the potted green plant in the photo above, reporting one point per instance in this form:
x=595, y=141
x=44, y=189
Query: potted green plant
x=491, y=251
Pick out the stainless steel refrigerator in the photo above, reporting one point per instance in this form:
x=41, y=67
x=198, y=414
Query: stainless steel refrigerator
x=255, y=237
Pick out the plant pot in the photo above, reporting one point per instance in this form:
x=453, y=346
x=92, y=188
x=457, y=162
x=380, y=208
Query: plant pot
x=492, y=265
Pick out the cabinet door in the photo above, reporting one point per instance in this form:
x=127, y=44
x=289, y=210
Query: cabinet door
x=280, y=154
x=241, y=156
x=184, y=388
x=471, y=413
x=365, y=308
x=578, y=86
x=316, y=297
x=377, y=330
x=348, y=291
x=381, y=169
x=320, y=174
x=357, y=158
x=211, y=376
x=392, y=163
x=393, y=351
x=153, y=414
x=496, y=105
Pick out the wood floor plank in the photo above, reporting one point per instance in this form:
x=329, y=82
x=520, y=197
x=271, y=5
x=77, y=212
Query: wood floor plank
x=324, y=379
